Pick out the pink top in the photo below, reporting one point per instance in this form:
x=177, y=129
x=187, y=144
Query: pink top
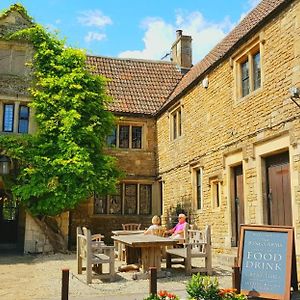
x=179, y=227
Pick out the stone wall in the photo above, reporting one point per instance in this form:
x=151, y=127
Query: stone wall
x=138, y=165
x=220, y=131
x=35, y=239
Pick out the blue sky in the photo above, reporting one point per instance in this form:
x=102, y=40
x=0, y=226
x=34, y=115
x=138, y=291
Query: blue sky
x=137, y=28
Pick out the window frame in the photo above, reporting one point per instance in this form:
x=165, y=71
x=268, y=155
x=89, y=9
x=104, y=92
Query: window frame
x=12, y=117
x=197, y=190
x=130, y=138
x=248, y=54
x=122, y=195
x=175, y=116
x=215, y=185
x=23, y=119
x=12, y=58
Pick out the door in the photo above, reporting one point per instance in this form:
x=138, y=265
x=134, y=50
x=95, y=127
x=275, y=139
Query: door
x=8, y=218
x=279, y=190
x=237, y=192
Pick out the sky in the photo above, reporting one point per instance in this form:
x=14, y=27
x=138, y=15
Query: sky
x=143, y=29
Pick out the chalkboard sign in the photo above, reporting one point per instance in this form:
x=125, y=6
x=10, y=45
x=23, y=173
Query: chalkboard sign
x=267, y=261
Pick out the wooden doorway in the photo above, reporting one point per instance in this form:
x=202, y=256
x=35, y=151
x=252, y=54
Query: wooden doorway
x=237, y=205
x=279, y=206
x=8, y=219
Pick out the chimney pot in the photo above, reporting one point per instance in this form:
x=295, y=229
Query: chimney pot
x=178, y=33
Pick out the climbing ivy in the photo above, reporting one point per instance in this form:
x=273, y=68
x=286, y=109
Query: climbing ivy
x=64, y=162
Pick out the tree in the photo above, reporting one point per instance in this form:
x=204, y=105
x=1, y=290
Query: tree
x=64, y=162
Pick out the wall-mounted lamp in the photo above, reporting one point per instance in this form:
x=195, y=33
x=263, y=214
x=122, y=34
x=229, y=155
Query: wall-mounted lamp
x=295, y=94
x=205, y=82
x=4, y=165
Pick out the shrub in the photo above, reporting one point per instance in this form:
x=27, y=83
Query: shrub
x=203, y=287
x=207, y=288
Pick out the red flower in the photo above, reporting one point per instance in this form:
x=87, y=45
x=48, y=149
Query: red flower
x=162, y=293
x=171, y=296
x=225, y=292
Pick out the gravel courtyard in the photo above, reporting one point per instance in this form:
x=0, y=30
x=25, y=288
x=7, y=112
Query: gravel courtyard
x=39, y=277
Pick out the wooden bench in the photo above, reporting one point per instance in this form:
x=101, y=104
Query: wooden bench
x=198, y=245
x=93, y=254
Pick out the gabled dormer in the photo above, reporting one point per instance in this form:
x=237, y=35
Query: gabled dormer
x=15, y=74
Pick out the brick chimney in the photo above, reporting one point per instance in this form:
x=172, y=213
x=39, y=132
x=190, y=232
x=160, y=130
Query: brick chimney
x=182, y=51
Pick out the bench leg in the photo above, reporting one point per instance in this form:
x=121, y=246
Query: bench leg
x=79, y=265
x=168, y=260
x=208, y=265
x=188, y=266
x=89, y=271
x=112, y=268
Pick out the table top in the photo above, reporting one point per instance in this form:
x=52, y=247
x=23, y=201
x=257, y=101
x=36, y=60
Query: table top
x=125, y=232
x=144, y=240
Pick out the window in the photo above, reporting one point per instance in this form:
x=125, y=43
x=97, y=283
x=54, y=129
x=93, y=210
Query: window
x=23, y=119
x=256, y=71
x=126, y=137
x=248, y=70
x=130, y=199
x=199, y=188
x=145, y=199
x=215, y=192
x=136, y=137
x=12, y=61
x=245, y=78
x=250, y=73
x=8, y=117
x=112, y=138
x=176, y=123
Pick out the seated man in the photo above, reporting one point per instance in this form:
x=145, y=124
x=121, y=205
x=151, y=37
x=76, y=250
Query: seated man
x=178, y=231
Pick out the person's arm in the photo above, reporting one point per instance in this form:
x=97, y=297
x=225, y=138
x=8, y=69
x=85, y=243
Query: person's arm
x=172, y=230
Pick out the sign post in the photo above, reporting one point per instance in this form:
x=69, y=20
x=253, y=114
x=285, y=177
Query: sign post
x=267, y=261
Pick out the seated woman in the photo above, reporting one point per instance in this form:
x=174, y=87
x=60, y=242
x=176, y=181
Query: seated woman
x=155, y=225
x=178, y=231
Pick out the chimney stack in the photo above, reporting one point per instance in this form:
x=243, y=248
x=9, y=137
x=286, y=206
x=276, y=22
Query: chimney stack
x=182, y=51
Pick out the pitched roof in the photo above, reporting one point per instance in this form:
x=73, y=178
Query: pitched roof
x=137, y=86
x=257, y=17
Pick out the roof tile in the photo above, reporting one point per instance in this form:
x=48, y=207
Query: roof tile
x=136, y=86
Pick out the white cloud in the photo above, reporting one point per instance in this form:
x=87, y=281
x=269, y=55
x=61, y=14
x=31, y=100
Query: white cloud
x=94, y=36
x=94, y=18
x=159, y=35
x=157, y=40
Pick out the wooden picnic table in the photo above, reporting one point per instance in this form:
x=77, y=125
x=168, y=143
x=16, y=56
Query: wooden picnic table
x=150, y=246
x=119, y=249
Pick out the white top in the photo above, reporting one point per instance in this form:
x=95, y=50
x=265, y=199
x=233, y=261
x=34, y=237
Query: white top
x=152, y=227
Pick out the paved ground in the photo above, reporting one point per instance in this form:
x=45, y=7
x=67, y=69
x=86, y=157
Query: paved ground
x=33, y=277
x=39, y=277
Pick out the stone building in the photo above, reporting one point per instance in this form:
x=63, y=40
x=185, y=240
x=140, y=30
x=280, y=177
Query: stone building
x=228, y=137
x=222, y=142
